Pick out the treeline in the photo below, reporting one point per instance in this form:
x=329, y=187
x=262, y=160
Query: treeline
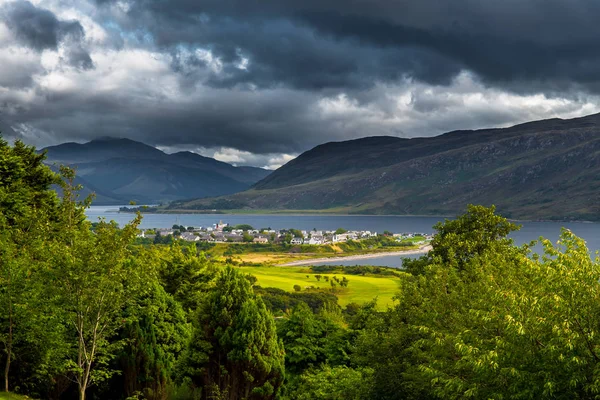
x=87, y=313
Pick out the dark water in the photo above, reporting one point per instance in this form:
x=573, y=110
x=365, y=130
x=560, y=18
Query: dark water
x=529, y=231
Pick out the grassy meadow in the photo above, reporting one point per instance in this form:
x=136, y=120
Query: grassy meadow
x=12, y=396
x=360, y=289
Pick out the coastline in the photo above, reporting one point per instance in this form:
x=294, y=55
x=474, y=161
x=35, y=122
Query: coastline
x=421, y=250
x=329, y=213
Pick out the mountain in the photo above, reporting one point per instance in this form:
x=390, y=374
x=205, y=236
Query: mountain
x=121, y=170
x=546, y=169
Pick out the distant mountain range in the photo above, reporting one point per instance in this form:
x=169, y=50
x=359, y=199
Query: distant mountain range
x=547, y=169
x=122, y=170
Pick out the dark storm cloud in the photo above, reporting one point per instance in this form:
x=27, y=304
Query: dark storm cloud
x=40, y=29
x=325, y=44
x=256, y=78
x=36, y=27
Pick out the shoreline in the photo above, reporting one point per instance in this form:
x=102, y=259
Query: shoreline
x=421, y=250
x=299, y=213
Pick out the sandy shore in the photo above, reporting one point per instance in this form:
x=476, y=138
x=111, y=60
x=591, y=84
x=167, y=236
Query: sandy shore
x=421, y=250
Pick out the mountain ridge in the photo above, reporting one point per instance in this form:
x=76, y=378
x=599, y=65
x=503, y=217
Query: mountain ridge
x=120, y=170
x=548, y=169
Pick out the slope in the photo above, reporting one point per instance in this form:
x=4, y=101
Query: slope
x=539, y=170
x=120, y=170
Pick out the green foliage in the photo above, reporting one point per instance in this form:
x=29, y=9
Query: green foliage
x=184, y=274
x=312, y=339
x=155, y=334
x=337, y=383
x=339, y=231
x=234, y=347
x=356, y=270
x=295, y=233
x=27, y=210
x=472, y=234
x=90, y=279
x=244, y=227
x=279, y=300
x=477, y=318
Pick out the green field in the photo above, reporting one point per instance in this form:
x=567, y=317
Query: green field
x=12, y=396
x=360, y=289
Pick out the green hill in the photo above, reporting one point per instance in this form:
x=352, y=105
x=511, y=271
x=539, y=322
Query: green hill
x=547, y=169
x=120, y=170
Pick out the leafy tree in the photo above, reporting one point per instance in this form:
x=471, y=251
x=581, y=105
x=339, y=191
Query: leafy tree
x=300, y=334
x=155, y=334
x=244, y=227
x=234, y=348
x=89, y=278
x=27, y=207
x=297, y=288
x=296, y=233
x=184, y=274
x=496, y=323
x=337, y=383
x=472, y=234
x=248, y=238
x=313, y=339
x=340, y=231
x=318, y=277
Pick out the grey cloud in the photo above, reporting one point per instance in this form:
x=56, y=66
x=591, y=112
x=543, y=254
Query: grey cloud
x=40, y=29
x=36, y=27
x=324, y=44
x=287, y=75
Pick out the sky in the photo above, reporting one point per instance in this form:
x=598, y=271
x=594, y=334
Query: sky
x=257, y=82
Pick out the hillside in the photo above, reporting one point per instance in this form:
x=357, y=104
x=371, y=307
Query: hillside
x=546, y=169
x=121, y=170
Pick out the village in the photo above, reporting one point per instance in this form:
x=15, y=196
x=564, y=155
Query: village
x=224, y=233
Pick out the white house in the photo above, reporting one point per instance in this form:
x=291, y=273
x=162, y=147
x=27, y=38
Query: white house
x=297, y=240
x=342, y=237
x=318, y=240
x=190, y=237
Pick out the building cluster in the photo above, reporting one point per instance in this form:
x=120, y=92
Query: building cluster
x=223, y=233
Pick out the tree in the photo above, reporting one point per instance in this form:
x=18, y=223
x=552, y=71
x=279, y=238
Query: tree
x=244, y=227
x=297, y=288
x=337, y=383
x=234, y=349
x=457, y=241
x=90, y=278
x=318, y=277
x=184, y=274
x=155, y=334
x=313, y=339
x=495, y=323
x=300, y=334
x=296, y=233
x=333, y=285
x=340, y=231
x=27, y=207
x=248, y=238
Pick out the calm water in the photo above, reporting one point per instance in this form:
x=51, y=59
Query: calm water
x=529, y=231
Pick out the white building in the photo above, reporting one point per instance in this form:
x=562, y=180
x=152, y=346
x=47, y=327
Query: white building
x=297, y=241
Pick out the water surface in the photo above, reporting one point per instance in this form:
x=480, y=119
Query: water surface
x=529, y=231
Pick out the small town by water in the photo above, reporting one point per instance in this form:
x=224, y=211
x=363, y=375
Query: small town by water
x=356, y=225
